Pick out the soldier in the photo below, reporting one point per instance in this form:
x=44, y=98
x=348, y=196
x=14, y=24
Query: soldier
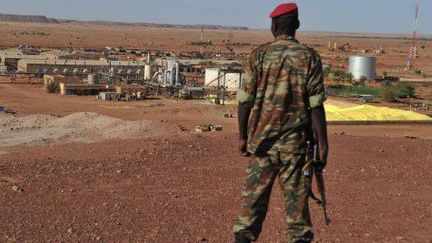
x=280, y=110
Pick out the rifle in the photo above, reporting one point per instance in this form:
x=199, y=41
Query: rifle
x=310, y=169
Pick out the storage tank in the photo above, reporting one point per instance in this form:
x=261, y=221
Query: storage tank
x=160, y=76
x=172, y=73
x=92, y=79
x=362, y=67
x=147, y=72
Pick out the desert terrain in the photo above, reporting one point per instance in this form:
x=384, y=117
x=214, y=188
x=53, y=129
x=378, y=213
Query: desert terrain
x=78, y=169
x=148, y=177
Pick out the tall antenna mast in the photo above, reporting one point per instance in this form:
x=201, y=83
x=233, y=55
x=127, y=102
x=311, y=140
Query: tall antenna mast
x=414, y=39
x=202, y=39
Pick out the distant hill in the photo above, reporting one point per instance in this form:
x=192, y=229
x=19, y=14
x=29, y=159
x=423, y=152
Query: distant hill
x=27, y=18
x=44, y=19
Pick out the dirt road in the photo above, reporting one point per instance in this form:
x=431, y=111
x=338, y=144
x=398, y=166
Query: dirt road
x=184, y=187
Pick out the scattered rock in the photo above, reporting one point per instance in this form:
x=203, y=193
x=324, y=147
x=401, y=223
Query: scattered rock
x=202, y=240
x=411, y=137
x=182, y=128
x=17, y=189
x=208, y=127
x=70, y=231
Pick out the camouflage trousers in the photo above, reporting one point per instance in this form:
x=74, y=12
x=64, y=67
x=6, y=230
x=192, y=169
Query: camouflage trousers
x=261, y=174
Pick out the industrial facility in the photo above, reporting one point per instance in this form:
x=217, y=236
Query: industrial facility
x=133, y=74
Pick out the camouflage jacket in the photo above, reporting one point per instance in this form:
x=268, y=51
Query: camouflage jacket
x=283, y=80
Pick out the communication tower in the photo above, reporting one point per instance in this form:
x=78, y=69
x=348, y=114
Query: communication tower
x=413, y=54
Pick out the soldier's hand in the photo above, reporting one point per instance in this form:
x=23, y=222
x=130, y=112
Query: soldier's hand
x=243, y=148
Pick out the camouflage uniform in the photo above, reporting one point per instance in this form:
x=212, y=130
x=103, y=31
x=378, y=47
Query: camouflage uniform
x=283, y=80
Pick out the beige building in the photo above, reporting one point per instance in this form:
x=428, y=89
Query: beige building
x=10, y=57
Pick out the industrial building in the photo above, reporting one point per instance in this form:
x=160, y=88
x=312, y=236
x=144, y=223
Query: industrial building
x=174, y=72
x=79, y=66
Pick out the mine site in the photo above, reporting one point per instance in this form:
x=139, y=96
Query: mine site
x=119, y=132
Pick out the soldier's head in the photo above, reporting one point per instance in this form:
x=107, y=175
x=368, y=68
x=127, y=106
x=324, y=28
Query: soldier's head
x=285, y=20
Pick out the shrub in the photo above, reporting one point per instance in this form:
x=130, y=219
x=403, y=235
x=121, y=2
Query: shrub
x=404, y=90
x=388, y=93
x=400, y=90
x=357, y=89
x=338, y=74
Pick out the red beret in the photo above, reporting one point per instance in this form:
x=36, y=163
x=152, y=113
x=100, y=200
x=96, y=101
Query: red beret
x=284, y=9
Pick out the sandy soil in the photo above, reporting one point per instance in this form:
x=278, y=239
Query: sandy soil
x=180, y=186
x=82, y=127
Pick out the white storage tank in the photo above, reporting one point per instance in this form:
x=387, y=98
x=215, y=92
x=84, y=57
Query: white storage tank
x=172, y=73
x=362, y=67
x=92, y=79
x=147, y=72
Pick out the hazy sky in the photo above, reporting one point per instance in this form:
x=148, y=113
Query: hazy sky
x=378, y=16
